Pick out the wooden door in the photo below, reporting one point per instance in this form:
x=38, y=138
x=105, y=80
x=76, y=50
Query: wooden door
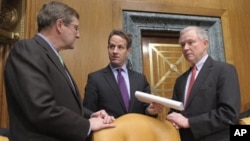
x=163, y=62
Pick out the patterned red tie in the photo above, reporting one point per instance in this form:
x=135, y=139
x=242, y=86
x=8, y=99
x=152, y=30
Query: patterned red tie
x=191, y=82
x=123, y=88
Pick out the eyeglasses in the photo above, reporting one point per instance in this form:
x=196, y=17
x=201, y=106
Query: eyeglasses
x=76, y=27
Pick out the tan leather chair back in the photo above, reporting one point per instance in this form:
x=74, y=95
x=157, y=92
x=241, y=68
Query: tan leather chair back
x=2, y=138
x=138, y=127
x=244, y=121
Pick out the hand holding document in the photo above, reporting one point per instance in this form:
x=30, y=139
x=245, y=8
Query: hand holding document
x=148, y=98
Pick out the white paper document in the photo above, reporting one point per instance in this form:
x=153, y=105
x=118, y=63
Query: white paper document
x=148, y=98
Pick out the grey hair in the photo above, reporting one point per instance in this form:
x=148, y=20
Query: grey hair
x=202, y=33
x=52, y=11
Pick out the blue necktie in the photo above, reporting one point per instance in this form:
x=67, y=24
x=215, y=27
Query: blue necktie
x=123, y=88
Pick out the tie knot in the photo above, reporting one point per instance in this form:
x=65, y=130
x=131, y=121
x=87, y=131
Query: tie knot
x=119, y=70
x=194, y=67
x=61, y=60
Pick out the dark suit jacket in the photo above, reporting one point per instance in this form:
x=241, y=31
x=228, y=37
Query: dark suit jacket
x=213, y=104
x=42, y=103
x=4, y=132
x=102, y=92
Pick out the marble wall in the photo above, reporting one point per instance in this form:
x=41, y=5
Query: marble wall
x=136, y=22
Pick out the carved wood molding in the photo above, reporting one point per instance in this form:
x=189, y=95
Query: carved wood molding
x=11, y=20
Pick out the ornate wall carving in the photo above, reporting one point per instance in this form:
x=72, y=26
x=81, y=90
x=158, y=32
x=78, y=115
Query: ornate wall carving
x=11, y=29
x=11, y=21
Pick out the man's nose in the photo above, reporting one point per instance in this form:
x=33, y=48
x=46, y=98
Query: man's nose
x=185, y=46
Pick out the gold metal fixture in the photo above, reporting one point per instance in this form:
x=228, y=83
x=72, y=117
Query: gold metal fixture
x=8, y=21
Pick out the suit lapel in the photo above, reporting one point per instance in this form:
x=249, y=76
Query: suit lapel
x=183, y=83
x=202, y=76
x=109, y=76
x=53, y=57
x=55, y=60
x=132, y=82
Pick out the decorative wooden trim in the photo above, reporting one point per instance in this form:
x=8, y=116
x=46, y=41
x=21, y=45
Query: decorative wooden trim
x=30, y=18
x=10, y=32
x=12, y=21
x=227, y=38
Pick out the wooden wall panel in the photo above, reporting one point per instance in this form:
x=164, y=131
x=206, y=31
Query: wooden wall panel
x=99, y=17
x=239, y=24
x=90, y=52
x=4, y=51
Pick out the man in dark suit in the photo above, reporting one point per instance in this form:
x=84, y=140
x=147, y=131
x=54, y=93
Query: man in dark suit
x=214, y=100
x=43, y=99
x=102, y=90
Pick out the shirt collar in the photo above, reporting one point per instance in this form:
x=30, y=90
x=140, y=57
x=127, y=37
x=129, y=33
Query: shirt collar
x=124, y=67
x=201, y=62
x=50, y=44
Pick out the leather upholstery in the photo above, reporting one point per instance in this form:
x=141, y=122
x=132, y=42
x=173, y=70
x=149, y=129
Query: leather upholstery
x=138, y=127
x=3, y=138
x=244, y=121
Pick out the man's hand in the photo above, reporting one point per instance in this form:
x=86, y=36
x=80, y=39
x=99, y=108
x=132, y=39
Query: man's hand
x=104, y=115
x=178, y=120
x=96, y=123
x=154, y=108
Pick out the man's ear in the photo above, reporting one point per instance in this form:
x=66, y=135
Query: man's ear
x=59, y=25
x=205, y=42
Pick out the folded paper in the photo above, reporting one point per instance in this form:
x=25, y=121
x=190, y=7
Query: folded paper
x=148, y=98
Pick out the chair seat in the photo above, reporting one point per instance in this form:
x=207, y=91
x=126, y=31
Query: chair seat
x=138, y=127
x=2, y=138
